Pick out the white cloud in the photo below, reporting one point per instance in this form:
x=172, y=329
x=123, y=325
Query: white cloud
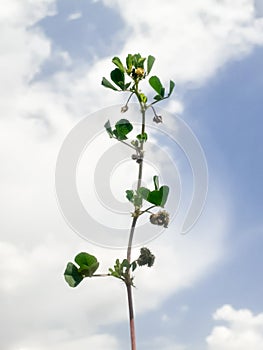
x=27, y=13
x=243, y=330
x=23, y=51
x=193, y=39
x=60, y=342
x=162, y=343
x=35, y=242
x=73, y=16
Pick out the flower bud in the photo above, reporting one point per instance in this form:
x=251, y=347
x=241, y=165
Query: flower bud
x=139, y=72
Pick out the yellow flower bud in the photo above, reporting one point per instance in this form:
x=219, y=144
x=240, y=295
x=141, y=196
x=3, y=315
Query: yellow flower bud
x=139, y=72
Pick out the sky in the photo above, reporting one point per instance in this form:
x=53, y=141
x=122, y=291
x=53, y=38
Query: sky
x=205, y=290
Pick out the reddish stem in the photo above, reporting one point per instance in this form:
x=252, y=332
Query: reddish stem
x=134, y=221
x=131, y=317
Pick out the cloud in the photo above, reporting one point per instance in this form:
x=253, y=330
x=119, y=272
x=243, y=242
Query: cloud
x=193, y=39
x=62, y=342
x=38, y=113
x=73, y=16
x=162, y=343
x=23, y=51
x=243, y=330
x=18, y=14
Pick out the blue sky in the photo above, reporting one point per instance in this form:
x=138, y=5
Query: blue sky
x=54, y=54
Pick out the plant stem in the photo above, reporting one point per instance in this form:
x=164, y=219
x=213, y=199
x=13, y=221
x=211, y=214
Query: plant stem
x=101, y=275
x=129, y=287
x=134, y=221
x=131, y=238
x=131, y=317
x=147, y=210
x=139, y=182
x=125, y=143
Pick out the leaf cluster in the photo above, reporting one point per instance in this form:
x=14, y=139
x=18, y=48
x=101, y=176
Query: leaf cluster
x=88, y=265
x=158, y=196
x=122, y=128
x=158, y=87
x=121, y=269
x=136, y=70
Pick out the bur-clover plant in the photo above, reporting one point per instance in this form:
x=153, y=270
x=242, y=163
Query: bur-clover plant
x=126, y=78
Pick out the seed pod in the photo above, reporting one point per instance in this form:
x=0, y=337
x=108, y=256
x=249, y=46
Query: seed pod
x=134, y=156
x=146, y=258
x=158, y=119
x=124, y=109
x=161, y=218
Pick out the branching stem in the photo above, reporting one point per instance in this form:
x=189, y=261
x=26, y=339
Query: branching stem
x=147, y=210
x=153, y=103
x=101, y=275
x=131, y=236
x=125, y=143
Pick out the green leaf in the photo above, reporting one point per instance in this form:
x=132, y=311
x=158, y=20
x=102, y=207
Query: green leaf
x=72, y=275
x=107, y=84
x=157, y=85
x=135, y=197
x=123, y=127
x=144, y=192
x=120, y=269
x=117, y=271
x=88, y=264
x=108, y=128
x=164, y=190
x=118, y=63
x=156, y=182
x=172, y=85
x=143, y=98
x=127, y=85
x=114, y=273
x=129, y=195
x=129, y=60
x=125, y=263
x=117, y=76
x=133, y=265
x=142, y=137
x=137, y=200
x=140, y=62
x=156, y=197
x=88, y=271
x=158, y=98
x=85, y=259
x=159, y=197
x=150, y=62
x=135, y=59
